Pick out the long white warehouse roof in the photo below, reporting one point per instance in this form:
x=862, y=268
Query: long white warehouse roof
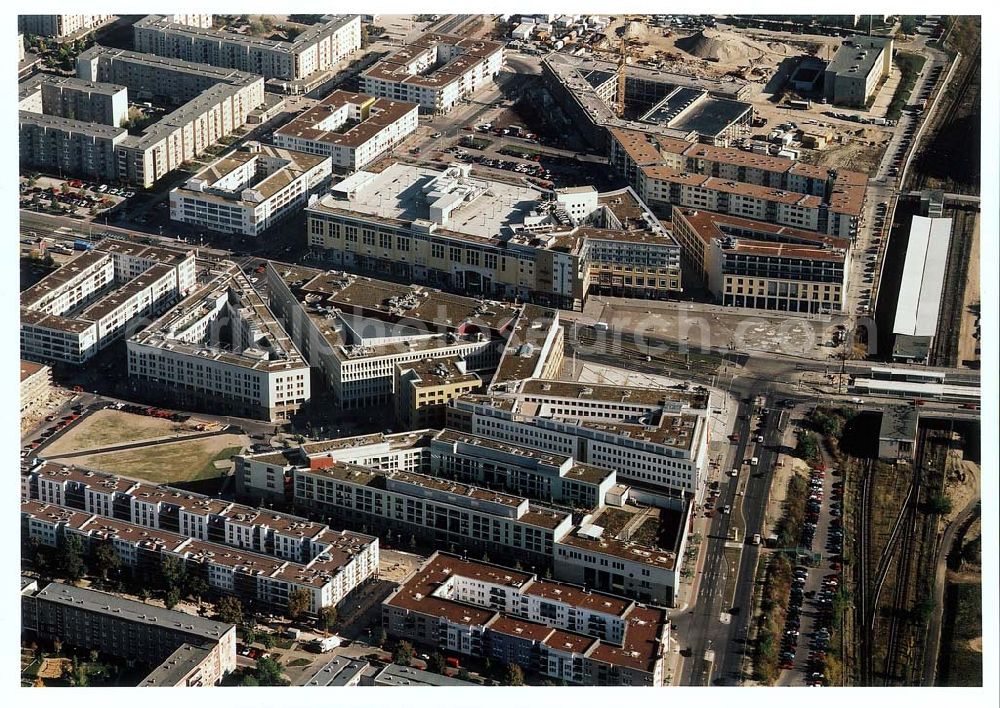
x=923, y=277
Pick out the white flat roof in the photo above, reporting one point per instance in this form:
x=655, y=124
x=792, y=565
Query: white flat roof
x=923, y=277
x=917, y=388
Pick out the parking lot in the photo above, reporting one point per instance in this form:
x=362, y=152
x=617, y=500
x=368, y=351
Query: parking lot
x=70, y=197
x=810, y=610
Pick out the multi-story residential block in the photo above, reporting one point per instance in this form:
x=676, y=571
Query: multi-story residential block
x=36, y=382
x=318, y=49
x=655, y=439
x=352, y=128
x=357, y=330
x=554, y=629
x=471, y=492
x=190, y=650
x=449, y=229
x=202, y=21
x=667, y=172
x=250, y=190
x=534, y=348
x=856, y=70
x=424, y=388
x=210, y=104
x=70, y=147
x=747, y=263
x=225, y=543
x=436, y=71
x=75, y=99
x=60, y=25
x=221, y=347
x=93, y=299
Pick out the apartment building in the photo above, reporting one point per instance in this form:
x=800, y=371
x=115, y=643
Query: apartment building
x=210, y=104
x=450, y=475
x=668, y=172
x=356, y=330
x=250, y=190
x=747, y=263
x=36, y=383
x=319, y=48
x=92, y=300
x=653, y=438
x=856, y=70
x=440, y=511
x=425, y=387
x=190, y=650
x=549, y=628
x=221, y=348
x=75, y=99
x=353, y=129
x=436, y=71
x=448, y=229
x=69, y=147
x=60, y=25
x=223, y=542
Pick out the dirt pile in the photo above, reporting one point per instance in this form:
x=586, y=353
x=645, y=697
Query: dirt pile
x=730, y=48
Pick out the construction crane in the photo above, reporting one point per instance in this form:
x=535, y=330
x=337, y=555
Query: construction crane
x=624, y=52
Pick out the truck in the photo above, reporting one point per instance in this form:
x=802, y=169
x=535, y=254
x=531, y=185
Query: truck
x=600, y=326
x=82, y=245
x=801, y=105
x=326, y=644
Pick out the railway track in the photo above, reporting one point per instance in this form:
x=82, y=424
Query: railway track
x=945, y=350
x=958, y=101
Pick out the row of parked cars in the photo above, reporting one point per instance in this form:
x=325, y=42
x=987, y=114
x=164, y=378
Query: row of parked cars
x=533, y=170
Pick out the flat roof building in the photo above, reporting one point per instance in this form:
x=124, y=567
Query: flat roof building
x=856, y=70
x=921, y=286
x=352, y=128
x=424, y=388
x=669, y=105
x=210, y=103
x=511, y=240
x=897, y=436
x=136, y=631
x=89, y=302
x=318, y=49
x=59, y=26
x=221, y=348
x=356, y=330
x=396, y=675
x=746, y=263
x=436, y=71
x=250, y=190
x=36, y=383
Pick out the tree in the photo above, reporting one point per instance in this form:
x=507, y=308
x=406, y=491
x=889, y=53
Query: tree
x=403, y=654
x=939, y=504
x=172, y=597
x=249, y=634
x=269, y=672
x=437, y=663
x=249, y=680
x=513, y=675
x=172, y=572
x=71, y=558
x=381, y=637
x=231, y=610
x=78, y=674
x=107, y=559
x=298, y=602
x=196, y=587
x=463, y=674
x=327, y=618
x=267, y=640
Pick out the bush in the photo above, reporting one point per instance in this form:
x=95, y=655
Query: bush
x=939, y=504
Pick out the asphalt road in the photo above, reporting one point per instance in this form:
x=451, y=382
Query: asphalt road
x=717, y=622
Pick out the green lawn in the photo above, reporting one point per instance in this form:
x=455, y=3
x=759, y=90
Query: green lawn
x=168, y=463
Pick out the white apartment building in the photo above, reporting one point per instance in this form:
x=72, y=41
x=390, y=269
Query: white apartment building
x=250, y=190
x=36, y=383
x=60, y=25
x=653, y=438
x=357, y=330
x=352, y=128
x=436, y=71
x=182, y=356
x=92, y=300
x=319, y=48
